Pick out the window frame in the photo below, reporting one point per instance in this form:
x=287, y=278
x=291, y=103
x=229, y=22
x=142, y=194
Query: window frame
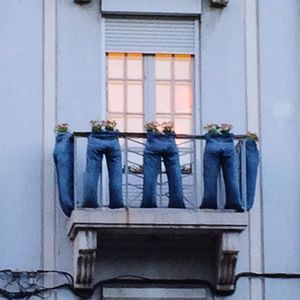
x=197, y=113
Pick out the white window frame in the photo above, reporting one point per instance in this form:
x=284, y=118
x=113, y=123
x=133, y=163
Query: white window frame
x=197, y=115
x=175, y=7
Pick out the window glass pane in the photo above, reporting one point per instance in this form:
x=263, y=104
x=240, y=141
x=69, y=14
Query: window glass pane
x=182, y=67
x=183, y=125
x=135, y=123
x=161, y=119
x=134, y=66
x=119, y=119
x=163, y=66
x=183, y=98
x=115, y=96
x=163, y=97
x=135, y=97
x=116, y=65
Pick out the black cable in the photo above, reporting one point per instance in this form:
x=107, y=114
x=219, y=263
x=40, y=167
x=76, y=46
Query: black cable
x=134, y=279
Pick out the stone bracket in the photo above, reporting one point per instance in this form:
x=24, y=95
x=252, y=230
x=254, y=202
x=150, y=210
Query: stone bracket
x=226, y=262
x=219, y=3
x=85, y=246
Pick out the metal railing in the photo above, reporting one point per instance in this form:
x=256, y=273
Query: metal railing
x=132, y=145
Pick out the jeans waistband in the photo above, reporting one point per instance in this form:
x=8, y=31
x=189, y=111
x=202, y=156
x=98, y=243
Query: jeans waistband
x=251, y=144
x=105, y=135
x=63, y=136
x=160, y=136
x=225, y=137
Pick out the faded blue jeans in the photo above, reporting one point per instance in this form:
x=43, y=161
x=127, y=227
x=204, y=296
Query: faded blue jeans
x=99, y=144
x=219, y=153
x=63, y=155
x=162, y=146
x=252, y=162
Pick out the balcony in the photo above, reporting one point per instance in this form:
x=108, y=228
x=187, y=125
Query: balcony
x=88, y=227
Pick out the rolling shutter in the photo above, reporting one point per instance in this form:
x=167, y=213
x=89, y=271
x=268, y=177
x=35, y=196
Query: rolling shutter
x=150, y=35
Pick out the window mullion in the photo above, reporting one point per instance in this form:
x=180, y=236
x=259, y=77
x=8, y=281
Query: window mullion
x=173, y=89
x=149, y=88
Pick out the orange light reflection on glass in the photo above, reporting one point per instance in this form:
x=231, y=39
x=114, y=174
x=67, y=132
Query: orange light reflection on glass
x=183, y=98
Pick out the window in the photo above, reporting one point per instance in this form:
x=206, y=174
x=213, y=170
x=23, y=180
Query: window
x=153, y=293
x=151, y=73
x=148, y=87
x=143, y=88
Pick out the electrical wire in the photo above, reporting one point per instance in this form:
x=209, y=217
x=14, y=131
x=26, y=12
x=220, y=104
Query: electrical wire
x=129, y=279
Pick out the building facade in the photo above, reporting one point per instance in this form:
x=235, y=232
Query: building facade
x=192, y=62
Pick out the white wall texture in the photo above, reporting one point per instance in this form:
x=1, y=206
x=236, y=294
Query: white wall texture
x=79, y=97
x=21, y=112
x=279, y=42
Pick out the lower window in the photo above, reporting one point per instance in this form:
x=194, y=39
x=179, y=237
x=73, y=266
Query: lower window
x=133, y=293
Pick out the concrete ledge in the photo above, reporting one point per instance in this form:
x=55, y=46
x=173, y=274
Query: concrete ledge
x=86, y=226
x=160, y=220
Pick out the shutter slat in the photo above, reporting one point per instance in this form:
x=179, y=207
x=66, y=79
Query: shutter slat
x=148, y=35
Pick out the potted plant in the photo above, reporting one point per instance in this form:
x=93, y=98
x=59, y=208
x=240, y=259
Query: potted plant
x=61, y=128
x=63, y=155
x=220, y=153
x=152, y=127
x=160, y=146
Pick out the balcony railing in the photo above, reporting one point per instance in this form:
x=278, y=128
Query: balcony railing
x=191, y=149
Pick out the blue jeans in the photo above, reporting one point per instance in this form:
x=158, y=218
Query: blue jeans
x=220, y=153
x=252, y=162
x=63, y=155
x=99, y=144
x=162, y=146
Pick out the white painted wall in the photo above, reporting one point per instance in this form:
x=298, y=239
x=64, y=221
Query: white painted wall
x=223, y=65
x=226, y=93
x=280, y=108
x=21, y=112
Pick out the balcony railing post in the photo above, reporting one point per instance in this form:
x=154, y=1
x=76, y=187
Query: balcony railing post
x=126, y=171
x=243, y=173
x=75, y=170
x=160, y=185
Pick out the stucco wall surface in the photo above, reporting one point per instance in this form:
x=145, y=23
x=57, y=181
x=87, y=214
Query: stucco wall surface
x=21, y=86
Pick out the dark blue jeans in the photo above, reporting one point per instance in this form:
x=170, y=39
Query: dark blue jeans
x=219, y=153
x=162, y=146
x=99, y=144
x=63, y=155
x=252, y=162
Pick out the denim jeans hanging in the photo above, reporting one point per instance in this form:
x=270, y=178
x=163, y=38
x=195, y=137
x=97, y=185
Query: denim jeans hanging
x=220, y=153
x=63, y=155
x=252, y=162
x=99, y=144
x=162, y=146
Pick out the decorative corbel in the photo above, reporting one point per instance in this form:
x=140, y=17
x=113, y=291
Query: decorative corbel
x=85, y=246
x=219, y=3
x=227, y=258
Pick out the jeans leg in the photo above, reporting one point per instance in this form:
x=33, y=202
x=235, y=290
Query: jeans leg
x=171, y=160
x=152, y=164
x=91, y=177
x=230, y=172
x=252, y=162
x=64, y=162
x=211, y=172
x=114, y=165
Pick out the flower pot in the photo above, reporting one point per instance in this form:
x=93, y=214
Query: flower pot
x=64, y=162
x=220, y=153
x=162, y=147
x=103, y=143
